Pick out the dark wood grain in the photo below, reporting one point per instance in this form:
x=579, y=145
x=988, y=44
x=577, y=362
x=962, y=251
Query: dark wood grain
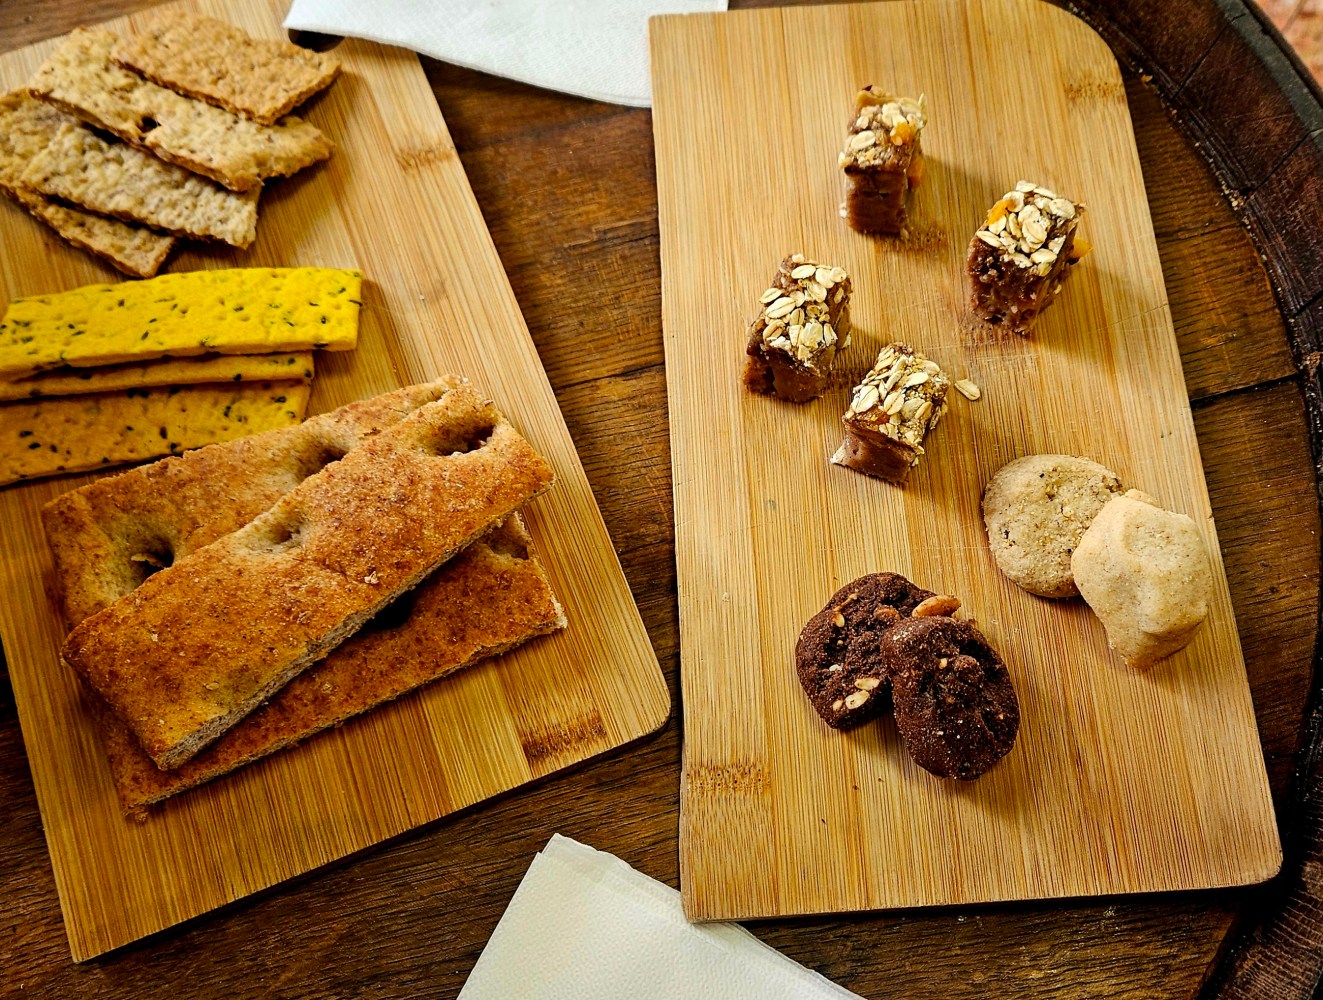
x=567, y=189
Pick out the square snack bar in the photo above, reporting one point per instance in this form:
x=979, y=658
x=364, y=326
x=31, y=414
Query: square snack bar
x=1016, y=261
x=899, y=401
x=882, y=161
x=804, y=321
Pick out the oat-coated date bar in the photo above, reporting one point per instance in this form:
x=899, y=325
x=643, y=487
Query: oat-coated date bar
x=804, y=320
x=1018, y=258
x=892, y=408
x=882, y=161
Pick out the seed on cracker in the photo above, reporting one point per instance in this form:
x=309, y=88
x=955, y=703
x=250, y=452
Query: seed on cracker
x=115, y=179
x=237, y=311
x=48, y=437
x=209, y=369
x=26, y=126
x=218, y=63
x=80, y=78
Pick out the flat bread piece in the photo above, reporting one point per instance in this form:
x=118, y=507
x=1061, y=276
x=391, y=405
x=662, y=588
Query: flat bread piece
x=181, y=664
x=80, y=78
x=26, y=126
x=108, y=536
x=491, y=597
x=253, y=310
x=47, y=437
x=118, y=180
x=202, y=57
x=205, y=370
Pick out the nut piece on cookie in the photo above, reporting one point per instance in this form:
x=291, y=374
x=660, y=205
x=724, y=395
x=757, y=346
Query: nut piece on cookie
x=803, y=322
x=1035, y=509
x=897, y=403
x=882, y=160
x=1146, y=574
x=838, y=656
x=955, y=704
x=1017, y=259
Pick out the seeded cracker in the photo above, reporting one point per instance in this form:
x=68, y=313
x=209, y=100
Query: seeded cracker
x=205, y=370
x=80, y=78
x=237, y=311
x=115, y=179
x=79, y=433
x=218, y=63
x=891, y=410
x=26, y=126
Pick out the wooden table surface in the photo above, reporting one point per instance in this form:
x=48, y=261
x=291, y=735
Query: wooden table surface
x=567, y=187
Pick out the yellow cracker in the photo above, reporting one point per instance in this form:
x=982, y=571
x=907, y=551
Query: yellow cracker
x=80, y=78
x=114, y=179
x=80, y=433
x=236, y=311
x=26, y=126
x=218, y=63
x=165, y=371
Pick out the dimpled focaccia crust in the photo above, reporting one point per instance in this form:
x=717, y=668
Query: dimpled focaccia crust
x=203, y=642
x=1035, y=509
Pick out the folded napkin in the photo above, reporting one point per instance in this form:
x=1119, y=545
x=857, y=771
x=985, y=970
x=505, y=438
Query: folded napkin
x=594, y=48
x=583, y=925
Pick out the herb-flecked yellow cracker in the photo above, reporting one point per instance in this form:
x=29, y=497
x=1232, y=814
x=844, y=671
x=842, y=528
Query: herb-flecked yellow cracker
x=47, y=437
x=237, y=311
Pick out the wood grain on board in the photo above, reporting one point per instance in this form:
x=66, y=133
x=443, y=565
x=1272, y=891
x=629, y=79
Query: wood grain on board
x=1120, y=781
x=395, y=202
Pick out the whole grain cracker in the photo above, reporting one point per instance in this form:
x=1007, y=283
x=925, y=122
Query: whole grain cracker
x=119, y=180
x=80, y=78
x=205, y=370
x=48, y=437
x=216, y=62
x=26, y=126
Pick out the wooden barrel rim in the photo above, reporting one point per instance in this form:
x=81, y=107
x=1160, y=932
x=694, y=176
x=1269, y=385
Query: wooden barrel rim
x=1256, y=114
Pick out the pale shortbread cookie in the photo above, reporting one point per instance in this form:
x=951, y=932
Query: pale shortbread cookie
x=1036, y=508
x=201, y=57
x=1145, y=573
x=116, y=179
x=26, y=126
x=80, y=78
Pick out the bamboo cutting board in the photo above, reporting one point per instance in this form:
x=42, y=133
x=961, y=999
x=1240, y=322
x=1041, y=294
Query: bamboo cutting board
x=393, y=201
x=1120, y=781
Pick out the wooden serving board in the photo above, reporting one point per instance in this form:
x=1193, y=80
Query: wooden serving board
x=393, y=201
x=1120, y=781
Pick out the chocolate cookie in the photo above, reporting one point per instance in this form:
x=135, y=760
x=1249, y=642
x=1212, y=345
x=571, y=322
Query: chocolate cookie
x=838, y=656
x=955, y=706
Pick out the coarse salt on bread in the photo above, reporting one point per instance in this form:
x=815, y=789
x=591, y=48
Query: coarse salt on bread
x=205, y=641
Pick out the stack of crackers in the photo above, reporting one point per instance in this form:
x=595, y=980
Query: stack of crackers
x=230, y=602
x=116, y=373
x=124, y=145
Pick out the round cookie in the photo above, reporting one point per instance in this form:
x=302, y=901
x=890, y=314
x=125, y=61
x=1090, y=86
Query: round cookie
x=838, y=655
x=1035, y=509
x=1145, y=573
x=955, y=705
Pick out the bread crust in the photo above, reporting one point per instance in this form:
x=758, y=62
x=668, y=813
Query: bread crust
x=203, y=642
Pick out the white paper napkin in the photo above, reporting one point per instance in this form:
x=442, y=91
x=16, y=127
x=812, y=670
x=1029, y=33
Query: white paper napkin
x=583, y=925
x=594, y=48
